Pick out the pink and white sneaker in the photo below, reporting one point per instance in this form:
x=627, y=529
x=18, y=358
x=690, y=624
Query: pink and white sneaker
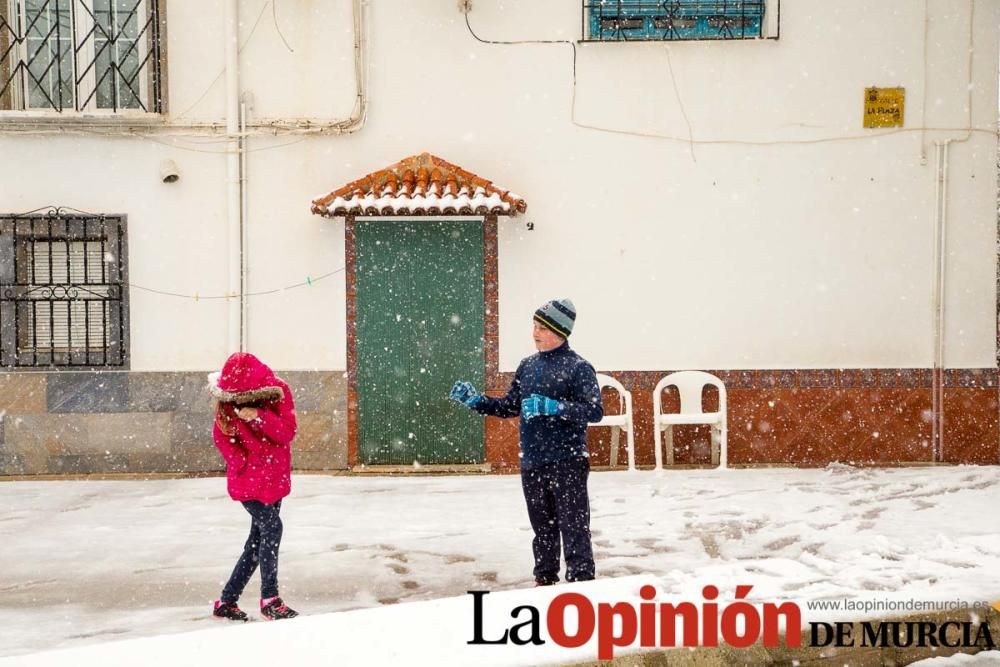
x=273, y=609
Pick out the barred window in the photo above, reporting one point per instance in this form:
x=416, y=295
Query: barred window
x=63, y=291
x=80, y=55
x=670, y=20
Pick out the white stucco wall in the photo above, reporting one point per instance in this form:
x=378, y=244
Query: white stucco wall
x=798, y=249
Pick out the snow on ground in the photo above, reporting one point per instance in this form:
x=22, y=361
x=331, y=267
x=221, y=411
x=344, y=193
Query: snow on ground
x=89, y=562
x=431, y=632
x=982, y=659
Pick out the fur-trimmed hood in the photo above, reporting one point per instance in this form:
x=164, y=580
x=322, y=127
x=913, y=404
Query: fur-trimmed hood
x=245, y=379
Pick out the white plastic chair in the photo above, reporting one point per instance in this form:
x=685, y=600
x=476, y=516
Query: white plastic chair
x=690, y=385
x=619, y=421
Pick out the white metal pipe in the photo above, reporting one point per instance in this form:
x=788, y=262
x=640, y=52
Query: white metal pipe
x=936, y=306
x=941, y=155
x=244, y=231
x=234, y=240
x=942, y=160
x=942, y=265
x=935, y=298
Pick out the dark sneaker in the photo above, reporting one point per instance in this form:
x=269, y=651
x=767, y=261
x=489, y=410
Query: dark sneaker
x=274, y=609
x=229, y=611
x=543, y=582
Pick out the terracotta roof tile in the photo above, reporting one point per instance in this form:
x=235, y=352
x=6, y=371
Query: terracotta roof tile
x=420, y=185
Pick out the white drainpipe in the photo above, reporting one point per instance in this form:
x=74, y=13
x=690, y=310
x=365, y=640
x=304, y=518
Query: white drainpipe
x=941, y=252
x=940, y=255
x=234, y=235
x=246, y=105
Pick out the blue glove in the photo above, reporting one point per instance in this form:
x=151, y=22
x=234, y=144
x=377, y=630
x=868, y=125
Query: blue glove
x=466, y=394
x=536, y=405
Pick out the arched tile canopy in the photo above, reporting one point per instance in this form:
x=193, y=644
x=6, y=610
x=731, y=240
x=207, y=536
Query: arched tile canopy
x=420, y=185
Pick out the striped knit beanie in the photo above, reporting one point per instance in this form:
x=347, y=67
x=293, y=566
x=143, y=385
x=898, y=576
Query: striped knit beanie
x=557, y=315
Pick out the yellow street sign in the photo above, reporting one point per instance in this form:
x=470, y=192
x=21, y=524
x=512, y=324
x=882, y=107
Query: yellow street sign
x=884, y=107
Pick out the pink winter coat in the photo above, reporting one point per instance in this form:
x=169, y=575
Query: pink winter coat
x=258, y=454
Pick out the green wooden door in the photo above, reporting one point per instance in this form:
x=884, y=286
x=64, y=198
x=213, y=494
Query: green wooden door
x=419, y=329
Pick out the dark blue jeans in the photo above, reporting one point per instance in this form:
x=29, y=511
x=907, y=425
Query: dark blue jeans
x=261, y=548
x=558, y=505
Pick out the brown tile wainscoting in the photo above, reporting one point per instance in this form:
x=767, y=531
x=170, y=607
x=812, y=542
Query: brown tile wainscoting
x=807, y=417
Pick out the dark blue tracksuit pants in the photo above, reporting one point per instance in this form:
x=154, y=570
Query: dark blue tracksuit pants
x=261, y=548
x=558, y=505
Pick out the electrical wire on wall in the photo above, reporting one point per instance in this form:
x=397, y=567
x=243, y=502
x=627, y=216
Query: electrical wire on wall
x=680, y=104
x=309, y=281
x=179, y=125
x=991, y=130
x=222, y=71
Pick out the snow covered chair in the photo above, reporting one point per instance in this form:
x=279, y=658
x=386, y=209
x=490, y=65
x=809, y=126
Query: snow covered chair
x=690, y=385
x=619, y=421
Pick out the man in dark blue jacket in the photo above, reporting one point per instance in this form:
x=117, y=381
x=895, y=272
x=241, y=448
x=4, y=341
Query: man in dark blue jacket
x=555, y=392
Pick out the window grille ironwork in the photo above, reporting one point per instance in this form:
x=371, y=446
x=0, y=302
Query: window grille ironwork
x=80, y=55
x=63, y=291
x=672, y=20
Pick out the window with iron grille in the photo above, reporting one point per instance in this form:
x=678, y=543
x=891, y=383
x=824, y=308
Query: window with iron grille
x=63, y=291
x=89, y=56
x=672, y=20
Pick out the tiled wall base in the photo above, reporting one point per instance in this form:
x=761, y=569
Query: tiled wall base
x=808, y=418
x=133, y=422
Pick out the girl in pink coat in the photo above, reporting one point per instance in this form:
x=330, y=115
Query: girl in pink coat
x=254, y=427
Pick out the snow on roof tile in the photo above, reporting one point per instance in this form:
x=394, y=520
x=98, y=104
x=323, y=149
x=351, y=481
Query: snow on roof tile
x=420, y=185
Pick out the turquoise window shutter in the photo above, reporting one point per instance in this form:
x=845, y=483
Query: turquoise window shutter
x=623, y=20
